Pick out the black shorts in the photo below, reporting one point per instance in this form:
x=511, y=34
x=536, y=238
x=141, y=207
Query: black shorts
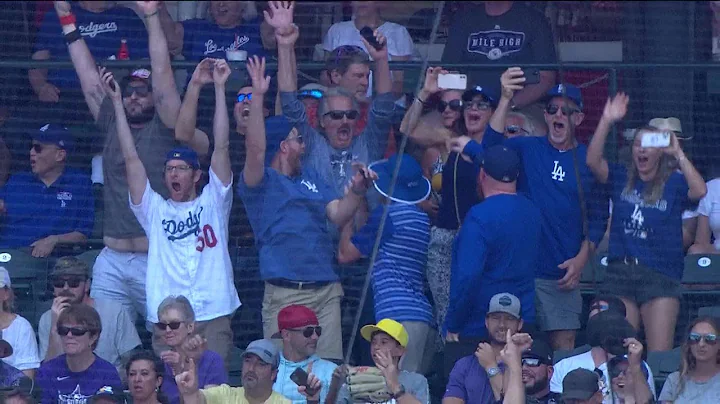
x=627, y=278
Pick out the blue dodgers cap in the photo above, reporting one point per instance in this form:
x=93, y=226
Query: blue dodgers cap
x=277, y=129
x=501, y=163
x=54, y=134
x=264, y=349
x=567, y=90
x=185, y=154
x=486, y=92
x=411, y=186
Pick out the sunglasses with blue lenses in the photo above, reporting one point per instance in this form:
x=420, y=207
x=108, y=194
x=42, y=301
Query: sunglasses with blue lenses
x=695, y=338
x=317, y=94
x=242, y=97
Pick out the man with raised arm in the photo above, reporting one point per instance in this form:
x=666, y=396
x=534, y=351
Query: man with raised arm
x=151, y=103
x=188, y=233
x=288, y=209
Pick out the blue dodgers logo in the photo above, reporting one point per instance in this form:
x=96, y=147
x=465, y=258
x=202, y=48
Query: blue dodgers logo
x=496, y=43
x=185, y=228
x=64, y=197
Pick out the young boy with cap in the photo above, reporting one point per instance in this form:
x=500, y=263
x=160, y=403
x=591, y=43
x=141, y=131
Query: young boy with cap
x=398, y=273
x=388, y=342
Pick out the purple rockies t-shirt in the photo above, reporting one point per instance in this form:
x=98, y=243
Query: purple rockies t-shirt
x=60, y=385
x=210, y=371
x=469, y=382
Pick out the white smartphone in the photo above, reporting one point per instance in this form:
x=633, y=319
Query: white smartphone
x=452, y=81
x=655, y=139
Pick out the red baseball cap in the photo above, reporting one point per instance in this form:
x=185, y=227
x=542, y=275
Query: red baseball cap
x=295, y=316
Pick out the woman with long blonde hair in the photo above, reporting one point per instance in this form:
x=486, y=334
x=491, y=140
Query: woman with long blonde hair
x=698, y=380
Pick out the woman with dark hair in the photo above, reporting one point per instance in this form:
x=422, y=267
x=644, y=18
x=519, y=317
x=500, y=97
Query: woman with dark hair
x=78, y=373
x=646, y=259
x=145, y=374
x=698, y=380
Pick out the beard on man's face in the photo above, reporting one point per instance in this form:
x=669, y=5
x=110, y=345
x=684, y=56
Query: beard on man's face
x=71, y=295
x=145, y=116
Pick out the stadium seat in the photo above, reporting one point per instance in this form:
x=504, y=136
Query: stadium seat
x=235, y=366
x=29, y=281
x=663, y=363
x=594, y=271
x=89, y=257
x=701, y=269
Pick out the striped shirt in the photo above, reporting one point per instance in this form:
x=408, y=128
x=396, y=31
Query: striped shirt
x=399, y=269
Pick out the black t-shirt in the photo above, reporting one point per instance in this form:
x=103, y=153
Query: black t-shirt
x=521, y=35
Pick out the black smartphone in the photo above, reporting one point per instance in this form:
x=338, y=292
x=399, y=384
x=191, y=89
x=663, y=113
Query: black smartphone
x=367, y=33
x=300, y=377
x=112, y=84
x=532, y=76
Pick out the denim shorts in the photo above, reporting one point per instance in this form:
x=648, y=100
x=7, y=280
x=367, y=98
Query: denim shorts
x=628, y=278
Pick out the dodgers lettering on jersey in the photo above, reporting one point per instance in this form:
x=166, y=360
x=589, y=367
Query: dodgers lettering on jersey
x=91, y=29
x=211, y=47
x=495, y=43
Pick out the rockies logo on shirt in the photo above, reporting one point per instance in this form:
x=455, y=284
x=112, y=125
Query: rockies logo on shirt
x=495, y=43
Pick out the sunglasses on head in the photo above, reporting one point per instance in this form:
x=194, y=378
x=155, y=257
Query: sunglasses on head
x=695, y=338
x=174, y=325
x=75, y=331
x=338, y=115
x=531, y=362
x=478, y=104
x=552, y=109
x=242, y=97
x=455, y=105
x=307, y=332
x=515, y=129
x=142, y=91
x=71, y=282
x=317, y=94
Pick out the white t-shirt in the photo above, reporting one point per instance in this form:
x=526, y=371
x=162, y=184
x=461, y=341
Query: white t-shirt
x=585, y=361
x=399, y=42
x=188, y=253
x=21, y=337
x=710, y=206
x=693, y=392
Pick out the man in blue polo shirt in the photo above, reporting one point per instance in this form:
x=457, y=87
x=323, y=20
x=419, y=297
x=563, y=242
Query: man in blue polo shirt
x=50, y=205
x=288, y=209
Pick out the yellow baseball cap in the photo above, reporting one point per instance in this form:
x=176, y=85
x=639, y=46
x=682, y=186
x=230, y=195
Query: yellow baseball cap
x=389, y=327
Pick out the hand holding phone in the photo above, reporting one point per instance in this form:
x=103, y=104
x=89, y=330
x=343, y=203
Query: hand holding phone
x=300, y=377
x=532, y=76
x=452, y=81
x=369, y=35
x=655, y=139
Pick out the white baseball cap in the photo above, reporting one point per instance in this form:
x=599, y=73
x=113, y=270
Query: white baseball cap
x=4, y=278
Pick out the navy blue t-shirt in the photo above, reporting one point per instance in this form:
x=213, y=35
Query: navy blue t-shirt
x=288, y=218
x=102, y=33
x=35, y=211
x=465, y=181
x=204, y=39
x=496, y=250
x=650, y=232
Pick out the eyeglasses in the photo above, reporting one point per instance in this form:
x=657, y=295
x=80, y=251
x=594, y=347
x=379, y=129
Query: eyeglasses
x=480, y=105
x=297, y=138
x=455, y=105
x=514, y=129
x=142, y=91
x=531, y=362
x=242, y=97
x=552, y=109
x=694, y=338
x=75, y=331
x=174, y=325
x=71, y=282
x=317, y=94
x=338, y=115
x=181, y=168
x=307, y=332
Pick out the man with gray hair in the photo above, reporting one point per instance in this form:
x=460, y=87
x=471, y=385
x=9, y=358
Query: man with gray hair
x=70, y=279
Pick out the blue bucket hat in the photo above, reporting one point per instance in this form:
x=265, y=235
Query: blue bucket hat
x=411, y=186
x=185, y=154
x=277, y=129
x=56, y=135
x=567, y=90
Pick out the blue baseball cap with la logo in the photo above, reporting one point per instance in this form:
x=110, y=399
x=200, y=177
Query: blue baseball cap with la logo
x=567, y=90
x=56, y=135
x=185, y=154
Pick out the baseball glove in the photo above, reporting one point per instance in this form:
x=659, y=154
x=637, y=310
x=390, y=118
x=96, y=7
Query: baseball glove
x=367, y=385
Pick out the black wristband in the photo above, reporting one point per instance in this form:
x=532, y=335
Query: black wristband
x=72, y=36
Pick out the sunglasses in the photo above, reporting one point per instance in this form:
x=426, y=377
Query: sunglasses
x=599, y=307
x=695, y=338
x=531, y=362
x=479, y=105
x=181, y=168
x=174, y=325
x=307, y=332
x=552, y=109
x=242, y=97
x=455, y=105
x=142, y=91
x=515, y=129
x=338, y=115
x=298, y=138
x=37, y=148
x=317, y=94
x=75, y=331
x=71, y=282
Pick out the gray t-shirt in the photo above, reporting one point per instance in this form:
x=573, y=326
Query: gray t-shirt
x=118, y=335
x=153, y=141
x=414, y=384
x=693, y=392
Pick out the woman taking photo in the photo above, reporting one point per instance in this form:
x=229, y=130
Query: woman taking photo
x=645, y=259
x=145, y=374
x=698, y=379
x=177, y=327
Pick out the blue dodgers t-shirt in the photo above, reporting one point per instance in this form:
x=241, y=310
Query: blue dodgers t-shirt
x=650, y=232
x=58, y=384
x=204, y=39
x=288, y=218
x=496, y=250
x=35, y=211
x=102, y=33
x=399, y=269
